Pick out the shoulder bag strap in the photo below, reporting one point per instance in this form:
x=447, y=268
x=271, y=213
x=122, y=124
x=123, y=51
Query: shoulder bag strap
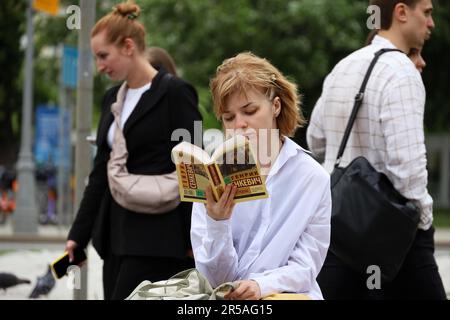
x=358, y=101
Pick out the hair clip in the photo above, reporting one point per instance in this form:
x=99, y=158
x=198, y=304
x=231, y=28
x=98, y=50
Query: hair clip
x=131, y=16
x=273, y=78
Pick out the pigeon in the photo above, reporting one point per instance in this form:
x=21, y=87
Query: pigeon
x=44, y=285
x=8, y=280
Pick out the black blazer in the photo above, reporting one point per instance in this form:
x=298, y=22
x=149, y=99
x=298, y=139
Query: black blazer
x=147, y=131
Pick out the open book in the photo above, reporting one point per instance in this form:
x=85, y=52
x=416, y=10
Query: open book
x=232, y=162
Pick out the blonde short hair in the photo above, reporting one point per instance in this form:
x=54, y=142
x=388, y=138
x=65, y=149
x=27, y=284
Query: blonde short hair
x=247, y=71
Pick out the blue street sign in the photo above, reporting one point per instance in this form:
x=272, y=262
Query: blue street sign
x=47, y=148
x=69, y=66
x=46, y=137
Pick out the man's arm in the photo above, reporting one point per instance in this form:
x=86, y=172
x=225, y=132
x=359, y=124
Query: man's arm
x=402, y=113
x=315, y=134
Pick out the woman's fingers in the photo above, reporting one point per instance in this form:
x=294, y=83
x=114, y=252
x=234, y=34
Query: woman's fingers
x=224, y=198
x=223, y=208
x=70, y=246
x=209, y=196
x=232, y=194
x=246, y=290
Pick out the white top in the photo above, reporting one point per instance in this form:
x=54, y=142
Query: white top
x=281, y=241
x=131, y=99
x=388, y=130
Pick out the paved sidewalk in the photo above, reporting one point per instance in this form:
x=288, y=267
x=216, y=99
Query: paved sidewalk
x=28, y=257
x=46, y=233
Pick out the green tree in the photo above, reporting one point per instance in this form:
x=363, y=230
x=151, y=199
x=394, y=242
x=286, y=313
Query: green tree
x=303, y=38
x=12, y=18
x=436, y=75
x=51, y=33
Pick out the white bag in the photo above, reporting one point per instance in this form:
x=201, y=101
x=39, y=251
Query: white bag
x=186, y=285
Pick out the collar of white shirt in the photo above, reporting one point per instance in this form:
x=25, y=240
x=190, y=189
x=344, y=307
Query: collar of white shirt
x=383, y=42
x=288, y=150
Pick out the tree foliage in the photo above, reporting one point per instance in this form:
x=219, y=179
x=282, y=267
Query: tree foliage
x=303, y=38
x=436, y=75
x=12, y=28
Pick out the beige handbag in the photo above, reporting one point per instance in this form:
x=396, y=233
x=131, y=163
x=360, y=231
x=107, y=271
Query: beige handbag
x=192, y=285
x=151, y=194
x=185, y=285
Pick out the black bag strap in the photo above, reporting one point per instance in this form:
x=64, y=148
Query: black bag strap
x=358, y=101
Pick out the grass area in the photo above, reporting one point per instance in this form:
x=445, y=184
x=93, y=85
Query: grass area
x=441, y=218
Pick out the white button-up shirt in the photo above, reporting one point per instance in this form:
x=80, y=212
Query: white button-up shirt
x=281, y=241
x=388, y=130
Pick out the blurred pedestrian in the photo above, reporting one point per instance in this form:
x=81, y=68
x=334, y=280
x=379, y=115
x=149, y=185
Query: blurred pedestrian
x=389, y=133
x=159, y=57
x=134, y=246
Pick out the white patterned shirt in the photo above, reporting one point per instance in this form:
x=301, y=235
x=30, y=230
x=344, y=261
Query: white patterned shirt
x=388, y=130
x=281, y=241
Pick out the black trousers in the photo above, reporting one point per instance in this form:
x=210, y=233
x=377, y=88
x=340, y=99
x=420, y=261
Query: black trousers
x=122, y=274
x=417, y=279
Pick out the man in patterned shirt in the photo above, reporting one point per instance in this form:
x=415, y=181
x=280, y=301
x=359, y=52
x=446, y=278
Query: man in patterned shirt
x=388, y=132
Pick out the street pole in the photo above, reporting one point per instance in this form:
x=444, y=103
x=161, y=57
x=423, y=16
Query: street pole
x=67, y=82
x=62, y=170
x=83, y=157
x=26, y=213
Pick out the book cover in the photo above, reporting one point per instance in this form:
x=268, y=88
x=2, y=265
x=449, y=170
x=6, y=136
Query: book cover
x=233, y=162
